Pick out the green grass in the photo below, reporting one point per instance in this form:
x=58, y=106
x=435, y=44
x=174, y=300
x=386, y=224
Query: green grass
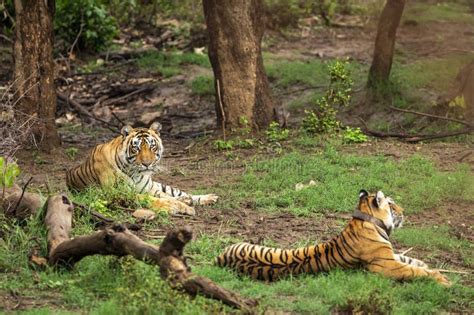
x=438, y=74
x=203, y=85
x=103, y=285
x=448, y=11
x=414, y=183
x=170, y=64
x=110, y=285
x=311, y=73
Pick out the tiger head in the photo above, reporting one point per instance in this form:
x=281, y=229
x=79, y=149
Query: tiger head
x=382, y=208
x=142, y=147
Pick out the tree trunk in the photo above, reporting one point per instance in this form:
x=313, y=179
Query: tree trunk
x=235, y=29
x=385, y=42
x=34, y=69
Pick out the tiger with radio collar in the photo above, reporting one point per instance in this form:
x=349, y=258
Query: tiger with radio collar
x=363, y=243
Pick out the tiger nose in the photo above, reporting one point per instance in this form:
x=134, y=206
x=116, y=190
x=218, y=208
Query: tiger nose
x=147, y=163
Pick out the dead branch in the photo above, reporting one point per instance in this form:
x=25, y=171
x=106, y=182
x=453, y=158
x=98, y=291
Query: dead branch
x=314, y=87
x=126, y=54
x=412, y=138
x=71, y=49
x=19, y=203
x=83, y=111
x=22, y=194
x=431, y=116
x=119, y=241
x=134, y=92
x=8, y=39
x=454, y=271
x=219, y=99
x=118, y=119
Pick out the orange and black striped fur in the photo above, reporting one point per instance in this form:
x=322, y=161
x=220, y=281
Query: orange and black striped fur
x=133, y=157
x=363, y=243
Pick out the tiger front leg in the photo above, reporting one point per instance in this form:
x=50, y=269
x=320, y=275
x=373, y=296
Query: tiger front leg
x=204, y=200
x=168, y=204
x=403, y=271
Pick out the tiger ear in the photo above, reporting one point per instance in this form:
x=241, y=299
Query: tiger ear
x=363, y=193
x=156, y=126
x=125, y=131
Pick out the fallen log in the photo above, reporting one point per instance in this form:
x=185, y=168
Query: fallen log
x=119, y=241
x=19, y=203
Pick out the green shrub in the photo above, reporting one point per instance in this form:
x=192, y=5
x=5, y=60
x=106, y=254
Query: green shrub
x=275, y=133
x=354, y=135
x=322, y=118
x=86, y=20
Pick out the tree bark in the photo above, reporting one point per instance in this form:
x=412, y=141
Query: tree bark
x=385, y=43
x=235, y=30
x=34, y=69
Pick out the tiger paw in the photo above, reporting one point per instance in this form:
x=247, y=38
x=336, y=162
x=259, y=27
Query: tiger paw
x=171, y=206
x=205, y=200
x=440, y=278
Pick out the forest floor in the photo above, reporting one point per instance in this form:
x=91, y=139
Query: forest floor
x=433, y=181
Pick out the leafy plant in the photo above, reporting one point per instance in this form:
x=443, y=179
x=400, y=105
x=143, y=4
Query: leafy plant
x=10, y=172
x=71, y=152
x=222, y=145
x=354, y=135
x=85, y=20
x=246, y=143
x=323, y=119
x=275, y=133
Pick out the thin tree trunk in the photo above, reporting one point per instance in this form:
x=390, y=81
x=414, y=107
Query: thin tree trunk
x=385, y=42
x=34, y=68
x=235, y=29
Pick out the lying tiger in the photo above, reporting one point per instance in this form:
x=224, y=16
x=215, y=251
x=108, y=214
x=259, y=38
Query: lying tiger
x=363, y=243
x=133, y=157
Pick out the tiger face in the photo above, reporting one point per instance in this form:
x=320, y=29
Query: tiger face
x=142, y=148
x=381, y=207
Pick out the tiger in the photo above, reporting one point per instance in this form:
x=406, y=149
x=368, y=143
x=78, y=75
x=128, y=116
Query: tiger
x=364, y=242
x=134, y=157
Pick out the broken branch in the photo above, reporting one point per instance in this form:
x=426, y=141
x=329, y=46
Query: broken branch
x=119, y=241
x=412, y=138
x=431, y=116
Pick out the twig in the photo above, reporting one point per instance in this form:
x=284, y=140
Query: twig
x=119, y=120
x=430, y=115
x=110, y=69
x=413, y=137
x=22, y=193
x=464, y=156
x=137, y=91
x=6, y=38
x=77, y=37
x=454, y=271
x=81, y=109
x=303, y=89
x=219, y=99
x=407, y=251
